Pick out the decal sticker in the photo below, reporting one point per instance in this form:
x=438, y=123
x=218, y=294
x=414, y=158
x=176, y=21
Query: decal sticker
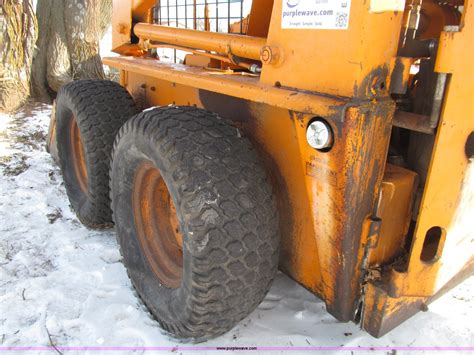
x=387, y=5
x=316, y=14
x=321, y=172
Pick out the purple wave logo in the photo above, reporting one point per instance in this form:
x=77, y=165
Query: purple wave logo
x=292, y=3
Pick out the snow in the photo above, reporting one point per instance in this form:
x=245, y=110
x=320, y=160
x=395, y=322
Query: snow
x=63, y=284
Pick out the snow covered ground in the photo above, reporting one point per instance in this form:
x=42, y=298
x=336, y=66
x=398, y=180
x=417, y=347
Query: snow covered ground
x=64, y=285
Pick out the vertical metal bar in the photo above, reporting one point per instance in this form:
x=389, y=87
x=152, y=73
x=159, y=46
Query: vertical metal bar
x=207, y=23
x=176, y=19
x=150, y=14
x=241, y=16
x=167, y=23
x=217, y=15
x=159, y=12
x=176, y=13
x=195, y=14
x=155, y=18
x=185, y=13
x=228, y=15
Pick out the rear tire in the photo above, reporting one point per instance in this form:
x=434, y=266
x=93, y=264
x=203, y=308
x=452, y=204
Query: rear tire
x=225, y=212
x=89, y=114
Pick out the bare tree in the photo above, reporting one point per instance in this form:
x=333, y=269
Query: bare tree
x=18, y=30
x=68, y=43
x=67, y=35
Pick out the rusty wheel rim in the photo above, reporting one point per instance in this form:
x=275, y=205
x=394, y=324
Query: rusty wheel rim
x=78, y=155
x=157, y=225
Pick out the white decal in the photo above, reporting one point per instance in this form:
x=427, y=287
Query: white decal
x=387, y=5
x=318, y=14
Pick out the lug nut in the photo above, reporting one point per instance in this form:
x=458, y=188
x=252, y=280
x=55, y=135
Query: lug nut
x=319, y=135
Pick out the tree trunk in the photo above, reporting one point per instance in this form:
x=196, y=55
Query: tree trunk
x=68, y=43
x=18, y=30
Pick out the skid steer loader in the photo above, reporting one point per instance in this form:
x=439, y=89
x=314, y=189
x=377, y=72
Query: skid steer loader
x=331, y=139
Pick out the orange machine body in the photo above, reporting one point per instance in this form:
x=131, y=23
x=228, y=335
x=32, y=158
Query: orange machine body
x=376, y=239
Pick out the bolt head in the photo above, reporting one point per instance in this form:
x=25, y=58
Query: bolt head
x=266, y=55
x=319, y=135
x=270, y=55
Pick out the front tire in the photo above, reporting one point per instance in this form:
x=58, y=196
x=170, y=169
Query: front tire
x=195, y=218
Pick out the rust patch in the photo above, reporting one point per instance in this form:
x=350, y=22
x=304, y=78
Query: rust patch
x=374, y=84
x=300, y=117
x=123, y=28
x=363, y=180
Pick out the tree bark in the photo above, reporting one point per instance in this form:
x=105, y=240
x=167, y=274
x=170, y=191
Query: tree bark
x=18, y=31
x=68, y=43
x=58, y=67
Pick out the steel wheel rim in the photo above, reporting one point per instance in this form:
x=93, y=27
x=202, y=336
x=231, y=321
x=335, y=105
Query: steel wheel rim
x=78, y=156
x=157, y=225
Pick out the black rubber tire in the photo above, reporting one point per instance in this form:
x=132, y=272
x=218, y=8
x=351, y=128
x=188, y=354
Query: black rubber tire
x=226, y=212
x=100, y=108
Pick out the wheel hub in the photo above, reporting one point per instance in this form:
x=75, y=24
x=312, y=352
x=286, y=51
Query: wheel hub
x=78, y=156
x=157, y=225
